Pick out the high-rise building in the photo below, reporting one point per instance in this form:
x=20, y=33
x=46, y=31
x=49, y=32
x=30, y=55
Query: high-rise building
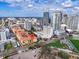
x=56, y=19
x=65, y=19
x=3, y=23
x=46, y=18
x=78, y=25
x=73, y=22
x=3, y=35
x=27, y=25
x=47, y=32
x=8, y=35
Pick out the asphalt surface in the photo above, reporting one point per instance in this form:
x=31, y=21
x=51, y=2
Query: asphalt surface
x=31, y=54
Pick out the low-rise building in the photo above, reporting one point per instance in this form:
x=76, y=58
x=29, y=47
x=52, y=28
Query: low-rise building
x=47, y=32
x=23, y=36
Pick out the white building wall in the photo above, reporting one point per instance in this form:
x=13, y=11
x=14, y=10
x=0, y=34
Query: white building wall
x=47, y=31
x=56, y=19
x=3, y=35
x=27, y=25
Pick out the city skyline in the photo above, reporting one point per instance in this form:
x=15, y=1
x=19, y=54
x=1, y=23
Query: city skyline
x=39, y=29
x=54, y=35
x=28, y=8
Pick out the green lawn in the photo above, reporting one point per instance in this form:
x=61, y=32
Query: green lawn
x=72, y=38
x=76, y=43
x=56, y=44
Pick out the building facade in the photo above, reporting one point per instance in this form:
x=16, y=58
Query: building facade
x=45, y=18
x=56, y=19
x=27, y=25
x=3, y=35
x=65, y=19
x=73, y=22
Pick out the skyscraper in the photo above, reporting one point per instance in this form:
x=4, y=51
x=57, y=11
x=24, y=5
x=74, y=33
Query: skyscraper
x=65, y=19
x=47, y=32
x=46, y=18
x=56, y=19
x=73, y=22
x=27, y=25
x=3, y=35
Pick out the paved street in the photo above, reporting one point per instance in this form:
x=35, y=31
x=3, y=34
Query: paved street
x=31, y=54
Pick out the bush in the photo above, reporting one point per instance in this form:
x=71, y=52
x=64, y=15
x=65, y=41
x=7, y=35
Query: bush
x=6, y=57
x=8, y=46
x=63, y=55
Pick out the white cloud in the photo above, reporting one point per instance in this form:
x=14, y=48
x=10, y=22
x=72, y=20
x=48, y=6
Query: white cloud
x=54, y=9
x=76, y=8
x=11, y=1
x=21, y=3
x=67, y=4
x=14, y=1
x=30, y=5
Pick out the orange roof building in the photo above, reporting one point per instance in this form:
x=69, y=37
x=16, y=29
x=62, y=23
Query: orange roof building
x=23, y=36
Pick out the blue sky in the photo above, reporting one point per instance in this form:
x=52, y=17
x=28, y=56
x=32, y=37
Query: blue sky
x=35, y=8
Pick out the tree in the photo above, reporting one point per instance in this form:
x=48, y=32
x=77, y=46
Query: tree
x=63, y=55
x=46, y=53
x=8, y=46
x=33, y=29
x=6, y=57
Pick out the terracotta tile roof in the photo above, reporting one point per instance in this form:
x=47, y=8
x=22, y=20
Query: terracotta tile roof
x=22, y=35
